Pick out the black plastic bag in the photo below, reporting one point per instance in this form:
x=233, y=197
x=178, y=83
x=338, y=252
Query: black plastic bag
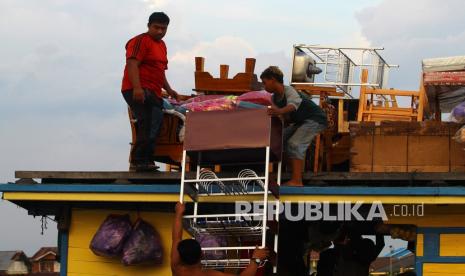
x=143, y=246
x=109, y=239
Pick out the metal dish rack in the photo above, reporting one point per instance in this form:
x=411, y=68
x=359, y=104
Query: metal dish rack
x=234, y=259
x=247, y=182
x=341, y=65
x=215, y=138
x=237, y=226
x=251, y=227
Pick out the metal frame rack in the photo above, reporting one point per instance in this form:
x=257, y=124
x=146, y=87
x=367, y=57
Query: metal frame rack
x=241, y=232
x=340, y=65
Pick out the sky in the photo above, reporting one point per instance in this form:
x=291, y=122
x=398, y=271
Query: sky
x=62, y=61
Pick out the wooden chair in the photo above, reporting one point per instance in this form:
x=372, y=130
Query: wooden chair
x=385, y=107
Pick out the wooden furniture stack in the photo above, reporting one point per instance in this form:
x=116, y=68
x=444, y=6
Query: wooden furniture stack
x=169, y=148
x=382, y=104
x=242, y=82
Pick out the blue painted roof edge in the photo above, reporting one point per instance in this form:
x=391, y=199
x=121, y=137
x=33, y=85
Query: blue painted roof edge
x=174, y=188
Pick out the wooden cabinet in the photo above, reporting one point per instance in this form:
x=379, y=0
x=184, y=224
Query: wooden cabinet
x=405, y=147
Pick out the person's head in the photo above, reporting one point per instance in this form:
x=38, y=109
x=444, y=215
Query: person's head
x=364, y=250
x=189, y=251
x=326, y=263
x=158, y=25
x=272, y=78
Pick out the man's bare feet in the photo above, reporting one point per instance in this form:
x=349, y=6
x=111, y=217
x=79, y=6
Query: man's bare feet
x=295, y=183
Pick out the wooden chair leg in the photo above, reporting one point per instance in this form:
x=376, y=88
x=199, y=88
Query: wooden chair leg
x=316, y=160
x=327, y=148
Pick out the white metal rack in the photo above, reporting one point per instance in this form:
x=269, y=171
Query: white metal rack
x=237, y=228
x=237, y=138
x=341, y=65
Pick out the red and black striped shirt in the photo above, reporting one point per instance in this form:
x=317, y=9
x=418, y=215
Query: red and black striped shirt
x=152, y=55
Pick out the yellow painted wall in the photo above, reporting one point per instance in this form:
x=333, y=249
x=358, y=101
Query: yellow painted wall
x=149, y=197
x=434, y=216
x=430, y=269
x=452, y=245
x=84, y=224
x=420, y=245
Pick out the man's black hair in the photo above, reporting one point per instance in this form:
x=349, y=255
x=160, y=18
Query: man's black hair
x=189, y=251
x=159, y=17
x=273, y=72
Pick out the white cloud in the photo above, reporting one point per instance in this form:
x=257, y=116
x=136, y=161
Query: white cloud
x=61, y=107
x=223, y=50
x=225, y=47
x=22, y=231
x=62, y=62
x=413, y=30
x=156, y=4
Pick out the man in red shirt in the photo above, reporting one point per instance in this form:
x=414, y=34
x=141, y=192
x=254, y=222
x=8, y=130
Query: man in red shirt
x=143, y=81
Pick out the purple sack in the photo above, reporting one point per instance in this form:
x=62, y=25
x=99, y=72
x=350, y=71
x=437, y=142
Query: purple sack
x=209, y=240
x=458, y=113
x=143, y=245
x=109, y=239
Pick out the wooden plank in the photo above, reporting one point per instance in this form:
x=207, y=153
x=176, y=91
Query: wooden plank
x=389, y=153
x=419, y=245
x=384, y=176
x=224, y=71
x=422, y=101
x=98, y=175
x=443, y=269
x=250, y=65
x=394, y=92
x=452, y=245
x=394, y=109
x=199, y=64
x=457, y=157
x=340, y=116
x=428, y=153
x=381, y=118
x=241, y=82
x=317, y=90
x=361, y=154
x=324, y=176
x=394, y=101
x=363, y=100
x=457, y=151
x=388, y=113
